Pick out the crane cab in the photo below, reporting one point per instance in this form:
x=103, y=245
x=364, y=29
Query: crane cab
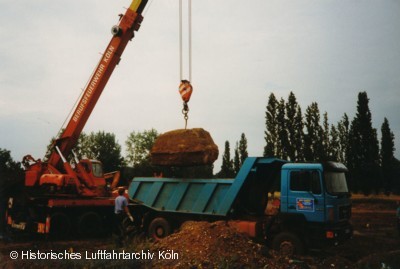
x=93, y=168
x=90, y=173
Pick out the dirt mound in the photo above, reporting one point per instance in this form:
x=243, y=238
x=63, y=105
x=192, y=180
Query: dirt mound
x=214, y=245
x=184, y=147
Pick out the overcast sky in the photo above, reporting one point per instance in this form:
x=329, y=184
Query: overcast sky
x=323, y=51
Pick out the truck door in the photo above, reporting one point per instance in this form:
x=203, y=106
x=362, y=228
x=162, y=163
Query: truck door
x=305, y=194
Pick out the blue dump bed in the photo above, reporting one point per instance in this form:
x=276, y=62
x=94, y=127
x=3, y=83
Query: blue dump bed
x=195, y=196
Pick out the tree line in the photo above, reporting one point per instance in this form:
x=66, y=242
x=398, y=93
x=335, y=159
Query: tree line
x=309, y=137
x=289, y=135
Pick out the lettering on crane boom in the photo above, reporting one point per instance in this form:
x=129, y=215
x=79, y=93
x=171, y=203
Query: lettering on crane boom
x=93, y=84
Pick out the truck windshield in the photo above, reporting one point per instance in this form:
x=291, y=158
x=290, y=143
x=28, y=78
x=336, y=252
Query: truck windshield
x=97, y=169
x=336, y=183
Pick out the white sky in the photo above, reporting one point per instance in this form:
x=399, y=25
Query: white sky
x=323, y=51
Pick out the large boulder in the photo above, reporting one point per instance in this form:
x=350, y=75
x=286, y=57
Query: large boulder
x=184, y=147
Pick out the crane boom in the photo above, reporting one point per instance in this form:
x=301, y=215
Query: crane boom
x=57, y=176
x=122, y=34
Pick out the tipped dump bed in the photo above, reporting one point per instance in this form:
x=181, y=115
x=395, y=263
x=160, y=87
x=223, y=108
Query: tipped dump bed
x=214, y=197
x=184, y=147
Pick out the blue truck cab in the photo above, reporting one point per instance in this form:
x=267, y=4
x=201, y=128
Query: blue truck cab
x=318, y=195
x=313, y=209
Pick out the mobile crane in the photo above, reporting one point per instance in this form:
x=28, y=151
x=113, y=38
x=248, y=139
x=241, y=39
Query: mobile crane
x=63, y=196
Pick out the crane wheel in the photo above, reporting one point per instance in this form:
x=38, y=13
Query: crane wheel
x=90, y=224
x=288, y=244
x=159, y=228
x=60, y=225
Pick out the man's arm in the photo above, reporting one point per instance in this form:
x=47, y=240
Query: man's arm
x=128, y=213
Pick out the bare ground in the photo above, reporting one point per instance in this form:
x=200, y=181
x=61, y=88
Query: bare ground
x=376, y=244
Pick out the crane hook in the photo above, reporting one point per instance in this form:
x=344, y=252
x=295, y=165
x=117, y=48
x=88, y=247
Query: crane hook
x=185, y=90
x=185, y=112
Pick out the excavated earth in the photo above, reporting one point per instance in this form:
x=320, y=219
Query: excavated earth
x=184, y=147
x=376, y=244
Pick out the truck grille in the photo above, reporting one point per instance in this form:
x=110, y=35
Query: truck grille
x=345, y=212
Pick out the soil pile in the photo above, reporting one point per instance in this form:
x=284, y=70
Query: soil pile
x=184, y=147
x=215, y=245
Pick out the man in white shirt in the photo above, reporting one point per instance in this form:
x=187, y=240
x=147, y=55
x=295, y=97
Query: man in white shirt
x=121, y=210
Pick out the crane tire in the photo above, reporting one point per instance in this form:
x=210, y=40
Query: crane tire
x=288, y=244
x=159, y=228
x=90, y=224
x=60, y=225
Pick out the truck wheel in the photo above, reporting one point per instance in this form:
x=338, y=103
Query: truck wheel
x=159, y=228
x=90, y=224
x=60, y=225
x=288, y=244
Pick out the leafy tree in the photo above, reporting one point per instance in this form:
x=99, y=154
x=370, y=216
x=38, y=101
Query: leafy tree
x=11, y=182
x=101, y=146
x=227, y=164
x=11, y=174
x=7, y=164
x=271, y=122
x=138, y=146
x=387, y=155
x=364, y=149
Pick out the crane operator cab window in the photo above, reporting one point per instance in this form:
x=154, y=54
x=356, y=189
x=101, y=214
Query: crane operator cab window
x=92, y=167
x=97, y=169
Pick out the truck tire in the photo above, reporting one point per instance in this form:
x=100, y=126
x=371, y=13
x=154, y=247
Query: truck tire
x=159, y=228
x=287, y=244
x=60, y=225
x=90, y=224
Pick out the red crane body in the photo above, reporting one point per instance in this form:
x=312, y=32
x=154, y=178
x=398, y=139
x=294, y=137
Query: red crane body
x=87, y=178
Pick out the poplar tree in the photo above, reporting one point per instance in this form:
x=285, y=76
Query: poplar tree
x=325, y=139
x=283, y=143
x=312, y=139
x=298, y=142
x=387, y=156
x=343, y=127
x=334, y=148
x=294, y=125
x=227, y=164
x=364, y=149
x=240, y=153
x=271, y=131
x=236, y=159
x=243, y=154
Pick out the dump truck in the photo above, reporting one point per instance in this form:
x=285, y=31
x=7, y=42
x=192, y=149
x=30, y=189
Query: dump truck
x=313, y=210
x=66, y=198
